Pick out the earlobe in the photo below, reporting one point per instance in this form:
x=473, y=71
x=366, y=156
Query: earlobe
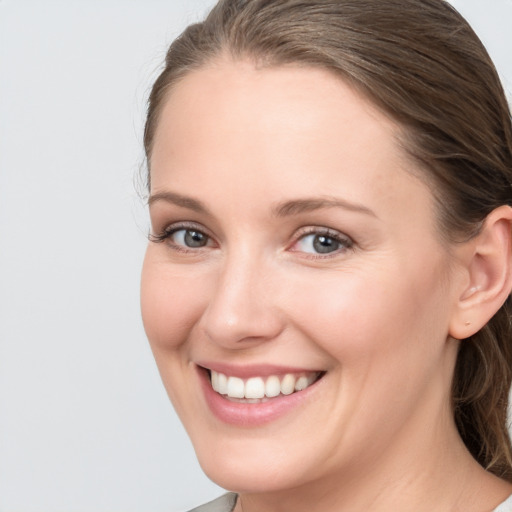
x=488, y=264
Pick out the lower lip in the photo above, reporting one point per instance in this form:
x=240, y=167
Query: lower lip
x=251, y=414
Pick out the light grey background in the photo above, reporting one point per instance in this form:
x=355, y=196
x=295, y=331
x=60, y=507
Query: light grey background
x=85, y=424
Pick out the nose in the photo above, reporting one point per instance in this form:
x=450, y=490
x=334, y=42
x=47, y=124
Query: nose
x=243, y=309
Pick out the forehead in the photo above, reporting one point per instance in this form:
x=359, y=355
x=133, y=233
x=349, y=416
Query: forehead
x=268, y=103
x=269, y=132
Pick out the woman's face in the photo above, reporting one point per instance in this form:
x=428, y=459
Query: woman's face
x=296, y=260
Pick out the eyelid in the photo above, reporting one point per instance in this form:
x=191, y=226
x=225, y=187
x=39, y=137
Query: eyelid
x=166, y=233
x=339, y=236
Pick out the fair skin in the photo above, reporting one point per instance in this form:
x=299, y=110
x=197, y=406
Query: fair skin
x=294, y=240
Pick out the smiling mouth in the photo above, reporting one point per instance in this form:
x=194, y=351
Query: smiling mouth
x=261, y=389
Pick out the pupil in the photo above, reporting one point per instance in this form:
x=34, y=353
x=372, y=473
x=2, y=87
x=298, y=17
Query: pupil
x=325, y=244
x=195, y=239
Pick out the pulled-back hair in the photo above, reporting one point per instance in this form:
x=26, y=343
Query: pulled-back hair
x=421, y=63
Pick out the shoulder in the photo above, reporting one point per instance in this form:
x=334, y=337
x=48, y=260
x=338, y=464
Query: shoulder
x=224, y=503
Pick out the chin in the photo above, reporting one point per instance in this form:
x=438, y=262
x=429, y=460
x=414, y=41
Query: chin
x=244, y=476
x=253, y=465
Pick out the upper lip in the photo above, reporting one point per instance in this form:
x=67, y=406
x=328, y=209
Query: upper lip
x=253, y=370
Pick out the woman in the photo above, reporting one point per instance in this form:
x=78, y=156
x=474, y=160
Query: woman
x=326, y=285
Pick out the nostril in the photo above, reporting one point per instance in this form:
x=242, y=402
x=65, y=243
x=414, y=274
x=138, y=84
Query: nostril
x=246, y=327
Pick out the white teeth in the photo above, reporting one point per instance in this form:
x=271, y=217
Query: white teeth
x=236, y=388
x=272, y=386
x=257, y=388
x=302, y=383
x=222, y=384
x=288, y=384
x=215, y=381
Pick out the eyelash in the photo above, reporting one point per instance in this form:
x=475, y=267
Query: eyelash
x=344, y=241
x=169, y=231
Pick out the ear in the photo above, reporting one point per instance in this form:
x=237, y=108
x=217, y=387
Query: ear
x=488, y=266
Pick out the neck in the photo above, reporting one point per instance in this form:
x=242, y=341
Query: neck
x=433, y=471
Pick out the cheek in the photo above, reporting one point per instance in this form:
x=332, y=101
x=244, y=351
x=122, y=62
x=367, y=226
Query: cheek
x=171, y=303
x=354, y=315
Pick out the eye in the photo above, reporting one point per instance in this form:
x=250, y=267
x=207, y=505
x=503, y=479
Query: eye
x=191, y=238
x=322, y=242
x=183, y=237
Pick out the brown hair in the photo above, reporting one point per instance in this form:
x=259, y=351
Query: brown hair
x=421, y=63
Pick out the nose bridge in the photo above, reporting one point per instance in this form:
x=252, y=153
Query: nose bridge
x=241, y=308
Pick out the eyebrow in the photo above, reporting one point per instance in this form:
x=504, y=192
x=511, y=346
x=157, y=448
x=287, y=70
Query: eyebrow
x=178, y=200
x=283, y=209
x=296, y=206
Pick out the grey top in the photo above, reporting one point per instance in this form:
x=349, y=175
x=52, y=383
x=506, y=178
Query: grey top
x=226, y=503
